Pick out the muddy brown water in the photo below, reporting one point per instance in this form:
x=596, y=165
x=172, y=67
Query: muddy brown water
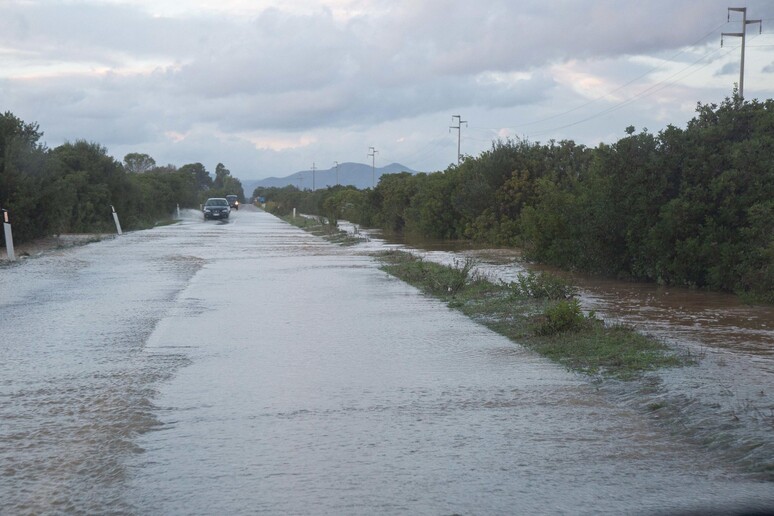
x=725, y=401
x=248, y=367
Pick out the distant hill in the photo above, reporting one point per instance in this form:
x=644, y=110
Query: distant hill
x=358, y=175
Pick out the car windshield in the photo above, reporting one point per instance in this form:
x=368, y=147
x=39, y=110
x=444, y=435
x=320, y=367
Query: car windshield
x=216, y=202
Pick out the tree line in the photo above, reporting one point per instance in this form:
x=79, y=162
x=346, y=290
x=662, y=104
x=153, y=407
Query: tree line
x=692, y=206
x=71, y=188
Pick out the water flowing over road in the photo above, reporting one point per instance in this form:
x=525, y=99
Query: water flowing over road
x=248, y=367
x=725, y=402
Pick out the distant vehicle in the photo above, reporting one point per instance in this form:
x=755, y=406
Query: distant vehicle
x=216, y=208
x=233, y=201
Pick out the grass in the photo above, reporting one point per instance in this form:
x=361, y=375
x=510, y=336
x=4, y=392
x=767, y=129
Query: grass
x=318, y=226
x=538, y=311
x=544, y=317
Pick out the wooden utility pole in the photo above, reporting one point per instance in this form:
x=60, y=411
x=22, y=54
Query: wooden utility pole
x=743, y=34
x=458, y=127
x=372, y=154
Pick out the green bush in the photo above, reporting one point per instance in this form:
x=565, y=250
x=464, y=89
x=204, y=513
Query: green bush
x=541, y=286
x=561, y=317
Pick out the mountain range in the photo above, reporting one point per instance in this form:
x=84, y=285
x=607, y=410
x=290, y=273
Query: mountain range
x=359, y=175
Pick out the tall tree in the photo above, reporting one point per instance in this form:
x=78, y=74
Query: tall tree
x=22, y=175
x=221, y=173
x=137, y=163
x=200, y=174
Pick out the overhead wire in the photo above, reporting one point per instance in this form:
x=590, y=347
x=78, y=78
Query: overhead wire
x=654, y=88
x=426, y=152
x=619, y=88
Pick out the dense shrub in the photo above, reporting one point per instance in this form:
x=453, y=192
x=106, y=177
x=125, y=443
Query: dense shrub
x=541, y=286
x=561, y=317
x=72, y=188
x=688, y=207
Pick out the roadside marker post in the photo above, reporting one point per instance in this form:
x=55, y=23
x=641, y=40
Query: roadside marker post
x=8, y=236
x=115, y=219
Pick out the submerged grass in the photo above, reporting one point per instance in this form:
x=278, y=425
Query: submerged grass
x=544, y=317
x=321, y=227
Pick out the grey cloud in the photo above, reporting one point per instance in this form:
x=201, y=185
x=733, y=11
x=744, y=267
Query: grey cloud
x=290, y=72
x=503, y=35
x=728, y=69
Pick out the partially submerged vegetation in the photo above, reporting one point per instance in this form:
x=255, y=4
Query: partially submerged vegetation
x=686, y=207
x=539, y=311
x=321, y=226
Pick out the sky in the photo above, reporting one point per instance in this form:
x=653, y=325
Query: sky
x=271, y=87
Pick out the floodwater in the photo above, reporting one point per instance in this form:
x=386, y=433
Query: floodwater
x=248, y=367
x=725, y=401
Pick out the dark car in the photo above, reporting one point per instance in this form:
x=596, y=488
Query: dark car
x=233, y=201
x=216, y=208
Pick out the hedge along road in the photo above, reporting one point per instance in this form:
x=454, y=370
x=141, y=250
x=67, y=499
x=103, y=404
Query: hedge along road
x=248, y=366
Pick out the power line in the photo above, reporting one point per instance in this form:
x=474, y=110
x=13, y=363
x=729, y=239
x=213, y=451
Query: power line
x=608, y=94
x=432, y=149
x=648, y=91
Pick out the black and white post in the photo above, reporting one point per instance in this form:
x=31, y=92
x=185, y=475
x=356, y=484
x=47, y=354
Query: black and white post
x=8, y=236
x=115, y=219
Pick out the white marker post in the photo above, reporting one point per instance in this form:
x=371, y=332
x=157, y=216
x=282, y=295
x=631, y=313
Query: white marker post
x=294, y=213
x=178, y=211
x=8, y=236
x=115, y=219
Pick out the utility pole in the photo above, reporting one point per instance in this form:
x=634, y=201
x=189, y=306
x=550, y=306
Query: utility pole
x=337, y=172
x=313, y=171
x=372, y=154
x=743, y=35
x=458, y=127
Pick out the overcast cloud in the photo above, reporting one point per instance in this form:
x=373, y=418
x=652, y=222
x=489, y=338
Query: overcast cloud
x=269, y=87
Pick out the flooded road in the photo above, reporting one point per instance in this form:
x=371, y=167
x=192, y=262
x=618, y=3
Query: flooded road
x=725, y=401
x=249, y=367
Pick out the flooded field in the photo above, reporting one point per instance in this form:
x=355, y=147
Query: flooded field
x=248, y=367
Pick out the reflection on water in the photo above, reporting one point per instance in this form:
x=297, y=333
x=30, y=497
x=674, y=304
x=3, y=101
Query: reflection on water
x=726, y=401
x=75, y=386
x=708, y=318
x=252, y=368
